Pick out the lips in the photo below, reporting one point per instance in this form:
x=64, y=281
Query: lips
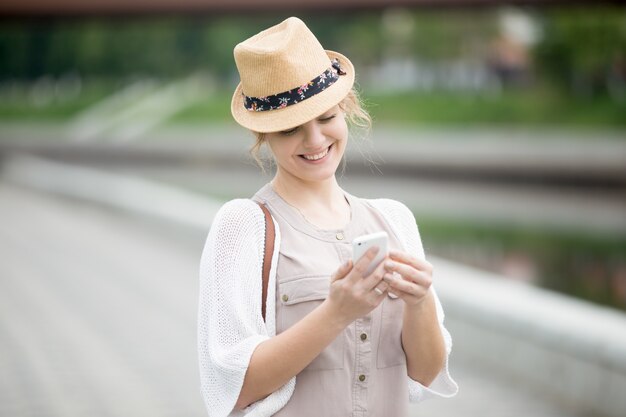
x=313, y=157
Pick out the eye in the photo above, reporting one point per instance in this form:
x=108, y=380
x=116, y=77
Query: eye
x=290, y=131
x=327, y=119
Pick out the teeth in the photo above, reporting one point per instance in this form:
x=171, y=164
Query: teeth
x=317, y=156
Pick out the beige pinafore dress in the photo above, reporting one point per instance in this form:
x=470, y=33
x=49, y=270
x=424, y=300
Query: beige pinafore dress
x=363, y=371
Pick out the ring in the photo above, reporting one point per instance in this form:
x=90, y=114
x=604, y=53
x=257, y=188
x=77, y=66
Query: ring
x=378, y=291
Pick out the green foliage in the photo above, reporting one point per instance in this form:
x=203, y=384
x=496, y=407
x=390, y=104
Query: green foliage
x=576, y=41
x=582, y=47
x=581, y=52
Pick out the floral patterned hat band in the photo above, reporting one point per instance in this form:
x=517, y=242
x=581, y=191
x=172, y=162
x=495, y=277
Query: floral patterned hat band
x=297, y=94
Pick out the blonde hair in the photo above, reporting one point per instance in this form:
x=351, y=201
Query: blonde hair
x=356, y=116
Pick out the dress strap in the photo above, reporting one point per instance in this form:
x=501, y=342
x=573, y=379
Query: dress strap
x=269, y=251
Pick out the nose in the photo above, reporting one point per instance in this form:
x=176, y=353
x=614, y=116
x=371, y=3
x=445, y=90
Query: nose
x=313, y=135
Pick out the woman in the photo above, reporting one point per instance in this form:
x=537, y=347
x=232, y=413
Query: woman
x=334, y=342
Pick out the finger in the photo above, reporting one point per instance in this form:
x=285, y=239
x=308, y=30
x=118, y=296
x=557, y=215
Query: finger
x=373, y=279
x=412, y=299
x=398, y=285
x=363, y=263
x=377, y=296
x=409, y=259
x=381, y=288
x=409, y=273
x=407, y=298
x=342, y=271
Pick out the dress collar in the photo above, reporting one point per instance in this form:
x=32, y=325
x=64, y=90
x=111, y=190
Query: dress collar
x=278, y=206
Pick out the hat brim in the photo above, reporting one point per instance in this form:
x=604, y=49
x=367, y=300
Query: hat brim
x=297, y=114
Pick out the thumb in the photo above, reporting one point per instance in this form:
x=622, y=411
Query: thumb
x=342, y=271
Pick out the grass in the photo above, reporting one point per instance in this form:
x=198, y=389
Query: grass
x=24, y=103
x=529, y=108
x=524, y=108
x=216, y=108
x=456, y=109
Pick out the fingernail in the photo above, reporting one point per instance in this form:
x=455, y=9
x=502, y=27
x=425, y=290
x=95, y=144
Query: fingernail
x=390, y=264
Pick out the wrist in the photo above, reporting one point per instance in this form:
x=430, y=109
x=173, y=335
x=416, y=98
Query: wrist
x=332, y=316
x=419, y=307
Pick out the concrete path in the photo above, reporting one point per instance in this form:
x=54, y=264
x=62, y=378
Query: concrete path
x=98, y=314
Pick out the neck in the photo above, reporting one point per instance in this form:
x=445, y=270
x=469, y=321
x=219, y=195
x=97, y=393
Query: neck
x=306, y=193
x=322, y=203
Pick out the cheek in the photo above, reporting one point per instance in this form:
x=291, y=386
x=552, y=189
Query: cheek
x=279, y=151
x=339, y=131
x=342, y=135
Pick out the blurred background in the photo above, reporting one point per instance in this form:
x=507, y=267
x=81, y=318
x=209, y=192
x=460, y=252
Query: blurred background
x=500, y=124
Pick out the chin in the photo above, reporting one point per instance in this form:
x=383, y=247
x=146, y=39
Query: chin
x=323, y=175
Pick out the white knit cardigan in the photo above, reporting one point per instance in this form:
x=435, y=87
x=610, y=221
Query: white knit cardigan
x=230, y=325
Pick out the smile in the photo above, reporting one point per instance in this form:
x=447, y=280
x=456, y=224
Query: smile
x=317, y=156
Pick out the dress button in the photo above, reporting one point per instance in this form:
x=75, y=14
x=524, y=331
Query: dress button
x=361, y=377
x=339, y=236
x=285, y=297
x=363, y=336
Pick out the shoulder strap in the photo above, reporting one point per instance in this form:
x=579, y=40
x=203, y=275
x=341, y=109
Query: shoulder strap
x=269, y=251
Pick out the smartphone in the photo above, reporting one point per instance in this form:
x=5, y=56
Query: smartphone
x=361, y=244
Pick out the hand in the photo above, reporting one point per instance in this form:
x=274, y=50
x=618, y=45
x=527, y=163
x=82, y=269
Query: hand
x=352, y=295
x=408, y=277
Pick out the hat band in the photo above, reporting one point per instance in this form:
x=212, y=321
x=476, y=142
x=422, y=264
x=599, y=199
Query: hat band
x=297, y=94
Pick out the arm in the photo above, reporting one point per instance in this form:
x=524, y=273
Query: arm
x=403, y=223
x=422, y=341
x=421, y=335
x=280, y=358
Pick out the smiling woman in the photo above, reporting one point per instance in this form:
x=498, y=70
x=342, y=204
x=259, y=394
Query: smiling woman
x=313, y=150
x=350, y=109
x=336, y=340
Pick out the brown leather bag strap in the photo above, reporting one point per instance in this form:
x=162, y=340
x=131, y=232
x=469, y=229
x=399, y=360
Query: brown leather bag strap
x=269, y=252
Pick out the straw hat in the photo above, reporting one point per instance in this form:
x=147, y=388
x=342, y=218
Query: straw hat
x=287, y=78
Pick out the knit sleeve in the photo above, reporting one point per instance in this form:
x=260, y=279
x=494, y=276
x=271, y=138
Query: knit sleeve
x=230, y=325
x=403, y=224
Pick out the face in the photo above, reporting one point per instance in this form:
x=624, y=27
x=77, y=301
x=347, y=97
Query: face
x=312, y=151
